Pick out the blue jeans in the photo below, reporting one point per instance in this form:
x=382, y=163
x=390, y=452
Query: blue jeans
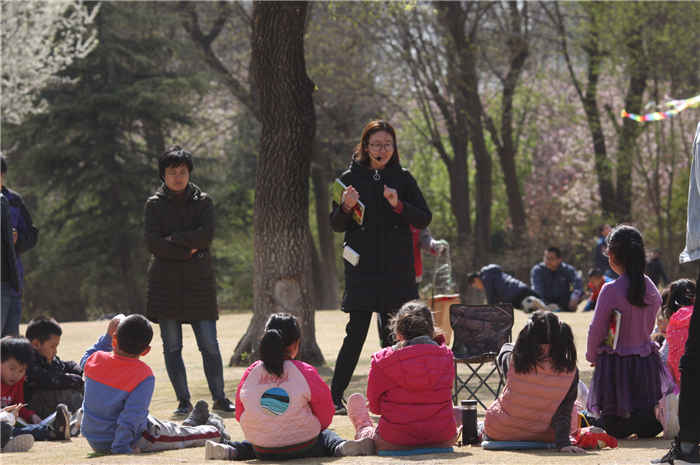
x=11, y=326
x=40, y=432
x=205, y=333
x=324, y=447
x=5, y=303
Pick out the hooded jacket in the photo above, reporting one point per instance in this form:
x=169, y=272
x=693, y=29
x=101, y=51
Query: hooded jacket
x=385, y=277
x=411, y=388
x=181, y=285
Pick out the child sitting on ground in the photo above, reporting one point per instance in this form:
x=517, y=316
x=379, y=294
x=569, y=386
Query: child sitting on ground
x=541, y=385
x=50, y=381
x=118, y=391
x=596, y=279
x=677, y=309
x=410, y=386
x=283, y=405
x=16, y=353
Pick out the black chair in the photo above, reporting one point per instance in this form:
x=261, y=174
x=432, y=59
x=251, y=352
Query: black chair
x=479, y=332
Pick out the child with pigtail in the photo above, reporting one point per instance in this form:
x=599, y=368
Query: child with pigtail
x=541, y=385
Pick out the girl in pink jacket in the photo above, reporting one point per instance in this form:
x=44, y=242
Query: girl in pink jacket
x=283, y=405
x=541, y=385
x=410, y=386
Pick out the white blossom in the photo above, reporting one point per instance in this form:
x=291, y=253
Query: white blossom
x=39, y=39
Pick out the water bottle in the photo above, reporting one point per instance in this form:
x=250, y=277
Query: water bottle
x=469, y=434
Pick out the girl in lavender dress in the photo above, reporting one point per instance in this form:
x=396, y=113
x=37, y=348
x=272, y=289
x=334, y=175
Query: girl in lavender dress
x=630, y=380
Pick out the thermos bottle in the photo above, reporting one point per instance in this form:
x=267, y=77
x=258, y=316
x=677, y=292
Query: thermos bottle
x=469, y=434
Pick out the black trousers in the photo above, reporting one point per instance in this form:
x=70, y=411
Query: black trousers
x=643, y=422
x=689, y=402
x=355, y=336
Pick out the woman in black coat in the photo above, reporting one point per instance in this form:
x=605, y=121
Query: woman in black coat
x=385, y=277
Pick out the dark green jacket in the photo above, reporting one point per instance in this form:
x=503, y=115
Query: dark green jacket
x=180, y=287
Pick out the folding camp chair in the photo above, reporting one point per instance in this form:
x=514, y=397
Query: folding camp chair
x=479, y=332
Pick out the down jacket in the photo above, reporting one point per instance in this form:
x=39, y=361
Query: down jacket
x=180, y=287
x=677, y=335
x=411, y=388
x=385, y=277
x=283, y=411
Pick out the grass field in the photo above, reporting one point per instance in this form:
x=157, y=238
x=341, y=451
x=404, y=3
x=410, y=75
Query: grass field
x=330, y=326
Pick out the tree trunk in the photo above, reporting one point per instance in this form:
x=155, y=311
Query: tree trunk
x=326, y=281
x=282, y=245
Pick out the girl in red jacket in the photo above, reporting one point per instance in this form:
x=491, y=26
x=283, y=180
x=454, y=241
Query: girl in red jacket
x=410, y=386
x=541, y=385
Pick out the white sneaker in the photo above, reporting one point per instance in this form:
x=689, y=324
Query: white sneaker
x=667, y=414
x=75, y=421
x=358, y=412
x=21, y=443
x=364, y=446
x=215, y=451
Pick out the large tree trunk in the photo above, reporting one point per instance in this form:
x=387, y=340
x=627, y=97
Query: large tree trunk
x=282, y=244
x=326, y=272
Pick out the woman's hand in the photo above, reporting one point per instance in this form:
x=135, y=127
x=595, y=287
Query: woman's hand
x=350, y=197
x=572, y=450
x=391, y=195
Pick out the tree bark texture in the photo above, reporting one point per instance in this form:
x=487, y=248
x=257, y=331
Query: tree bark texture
x=282, y=244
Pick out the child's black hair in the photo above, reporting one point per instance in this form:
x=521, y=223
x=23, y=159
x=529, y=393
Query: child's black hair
x=626, y=244
x=174, y=156
x=472, y=276
x=134, y=334
x=414, y=319
x=42, y=328
x=16, y=347
x=678, y=294
x=544, y=328
x=281, y=331
x=595, y=273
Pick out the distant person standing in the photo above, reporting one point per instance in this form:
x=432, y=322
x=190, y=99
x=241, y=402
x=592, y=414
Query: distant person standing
x=655, y=269
x=601, y=261
x=554, y=279
x=422, y=240
x=25, y=236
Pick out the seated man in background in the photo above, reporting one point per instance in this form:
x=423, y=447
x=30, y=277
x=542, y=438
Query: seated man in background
x=557, y=282
x=502, y=287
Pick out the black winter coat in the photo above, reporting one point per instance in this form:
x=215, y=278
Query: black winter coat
x=385, y=277
x=180, y=287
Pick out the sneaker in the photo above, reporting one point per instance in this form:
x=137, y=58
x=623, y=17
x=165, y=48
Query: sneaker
x=364, y=446
x=339, y=407
x=60, y=426
x=75, y=421
x=217, y=422
x=216, y=451
x=198, y=415
x=676, y=456
x=224, y=405
x=183, y=408
x=667, y=414
x=21, y=443
x=358, y=412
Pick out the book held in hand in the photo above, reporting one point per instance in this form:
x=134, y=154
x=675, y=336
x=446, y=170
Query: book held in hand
x=614, y=329
x=358, y=211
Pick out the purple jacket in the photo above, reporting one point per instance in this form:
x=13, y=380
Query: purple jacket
x=636, y=324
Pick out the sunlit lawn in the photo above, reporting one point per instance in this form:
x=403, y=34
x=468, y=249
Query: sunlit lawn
x=330, y=326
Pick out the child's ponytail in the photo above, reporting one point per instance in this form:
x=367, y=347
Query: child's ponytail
x=562, y=350
x=627, y=246
x=281, y=331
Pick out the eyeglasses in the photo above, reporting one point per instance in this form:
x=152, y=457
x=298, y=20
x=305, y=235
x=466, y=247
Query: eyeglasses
x=385, y=147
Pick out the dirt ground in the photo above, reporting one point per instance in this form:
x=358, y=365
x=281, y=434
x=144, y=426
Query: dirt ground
x=330, y=325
